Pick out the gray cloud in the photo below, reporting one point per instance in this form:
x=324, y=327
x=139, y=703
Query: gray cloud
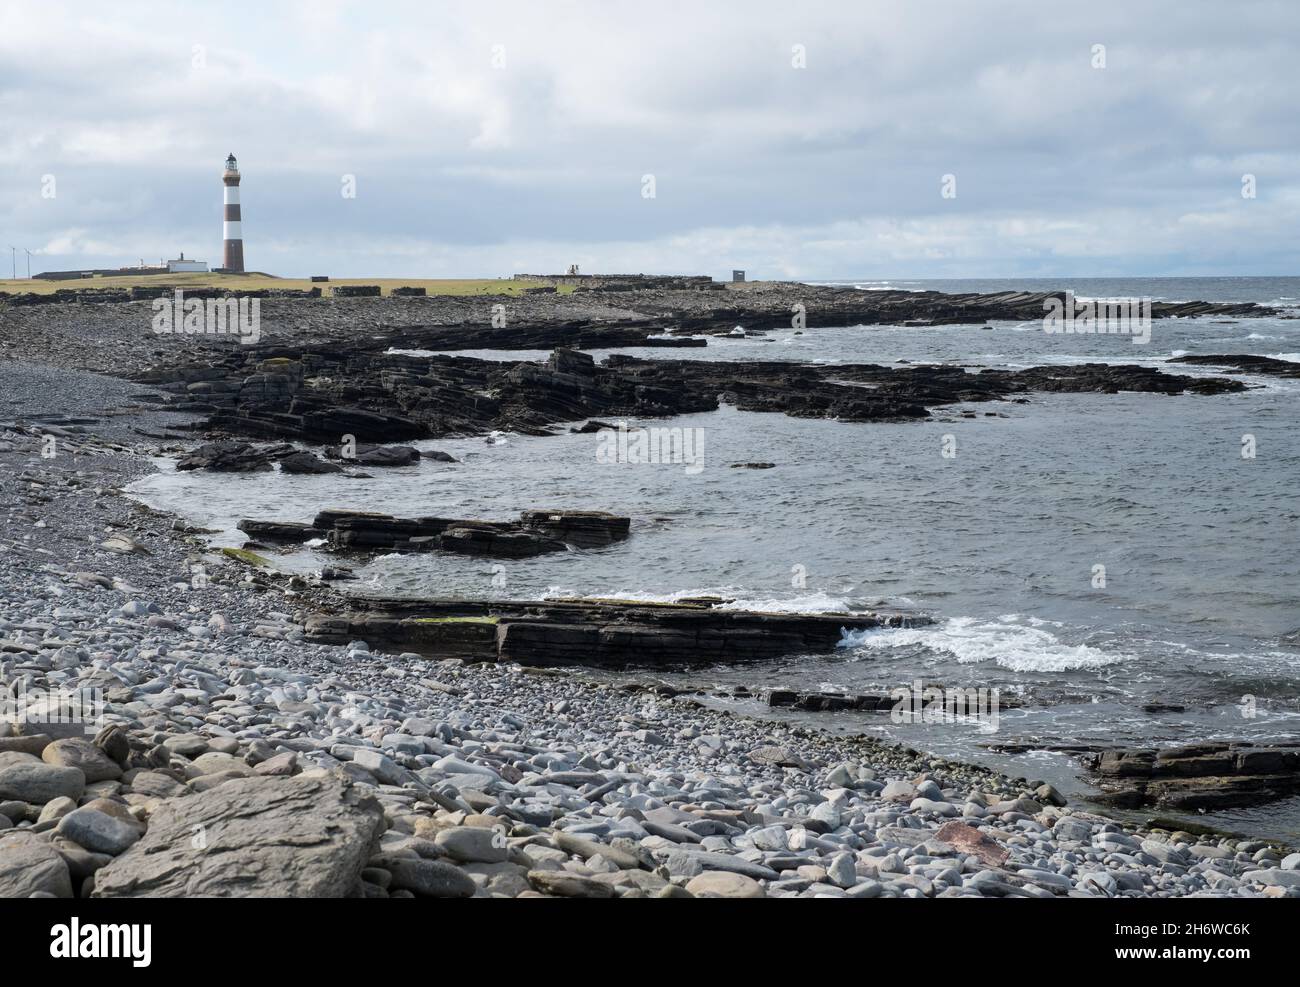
x=832, y=170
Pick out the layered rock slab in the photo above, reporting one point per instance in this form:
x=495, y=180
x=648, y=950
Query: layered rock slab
x=302, y=837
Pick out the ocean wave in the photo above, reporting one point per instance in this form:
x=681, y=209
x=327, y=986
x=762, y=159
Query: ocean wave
x=1289, y=357
x=886, y=286
x=1008, y=643
x=640, y=596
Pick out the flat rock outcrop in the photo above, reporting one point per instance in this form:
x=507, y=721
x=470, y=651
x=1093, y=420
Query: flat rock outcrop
x=580, y=335
x=1245, y=362
x=767, y=306
x=535, y=533
x=1199, y=776
x=590, y=632
x=585, y=529
x=322, y=394
x=301, y=837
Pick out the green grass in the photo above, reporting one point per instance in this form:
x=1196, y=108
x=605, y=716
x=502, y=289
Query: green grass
x=456, y=620
x=256, y=281
x=245, y=556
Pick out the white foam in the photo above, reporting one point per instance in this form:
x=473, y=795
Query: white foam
x=811, y=603
x=1007, y=643
x=1289, y=357
x=638, y=596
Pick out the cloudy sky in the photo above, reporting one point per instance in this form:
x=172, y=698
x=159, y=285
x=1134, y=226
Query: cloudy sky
x=485, y=138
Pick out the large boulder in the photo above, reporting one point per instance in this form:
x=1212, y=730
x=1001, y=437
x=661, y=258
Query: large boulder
x=28, y=743
x=28, y=865
x=376, y=455
x=430, y=878
x=719, y=884
x=567, y=361
x=305, y=462
x=302, y=837
x=970, y=841
x=77, y=752
x=387, y=456
x=98, y=831
x=232, y=457
x=29, y=779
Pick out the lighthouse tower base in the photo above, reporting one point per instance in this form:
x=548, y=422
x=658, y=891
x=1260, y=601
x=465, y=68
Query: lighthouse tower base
x=232, y=257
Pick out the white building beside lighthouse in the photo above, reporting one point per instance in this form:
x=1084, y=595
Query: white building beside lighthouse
x=181, y=265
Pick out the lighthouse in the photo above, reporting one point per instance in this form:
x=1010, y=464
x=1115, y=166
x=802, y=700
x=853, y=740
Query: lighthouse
x=232, y=238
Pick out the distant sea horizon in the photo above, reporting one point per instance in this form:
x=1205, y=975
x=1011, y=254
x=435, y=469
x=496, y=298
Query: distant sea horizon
x=1279, y=290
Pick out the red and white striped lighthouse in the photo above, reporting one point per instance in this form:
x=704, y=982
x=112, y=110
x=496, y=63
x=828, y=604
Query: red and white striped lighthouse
x=232, y=237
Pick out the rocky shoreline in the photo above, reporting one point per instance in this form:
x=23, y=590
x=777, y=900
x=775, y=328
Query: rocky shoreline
x=243, y=739
x=111, y=333
x=235, y=757
x=320, y=395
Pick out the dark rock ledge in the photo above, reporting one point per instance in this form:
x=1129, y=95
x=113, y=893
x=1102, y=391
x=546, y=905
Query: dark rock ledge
x=535, y=533
x=839, y=702
x=320, y=394
x=1200, y=776
x=844, y=306
x=589, y=632
x=243, y=457
x=1244, y=362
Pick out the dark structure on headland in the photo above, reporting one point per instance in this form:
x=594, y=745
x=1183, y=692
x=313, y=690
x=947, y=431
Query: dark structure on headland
x=625, y=282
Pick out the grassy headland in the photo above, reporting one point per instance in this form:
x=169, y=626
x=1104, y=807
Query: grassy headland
x=254, y=281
